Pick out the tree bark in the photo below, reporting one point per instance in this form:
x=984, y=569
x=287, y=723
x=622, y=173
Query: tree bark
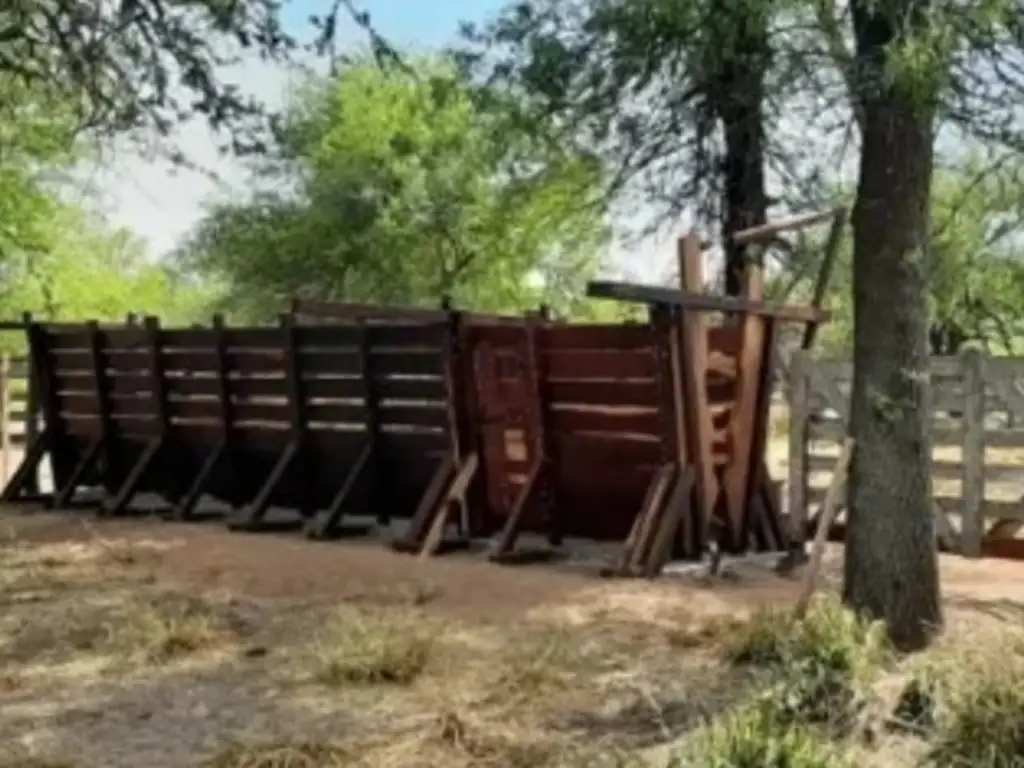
x=891, y=569
x=738, y=95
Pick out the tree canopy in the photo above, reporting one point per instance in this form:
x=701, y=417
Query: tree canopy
x=406, y=185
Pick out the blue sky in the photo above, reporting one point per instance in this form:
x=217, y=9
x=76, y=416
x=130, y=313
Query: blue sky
x=418, y=23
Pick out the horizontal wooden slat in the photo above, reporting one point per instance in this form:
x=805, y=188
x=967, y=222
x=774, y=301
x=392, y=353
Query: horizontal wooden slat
x=632, y=421
x=132, y=406
x=250, y=338
x=343, y=413
x=992, y=509
x=427, y=363
x=336, y=363
x=129, y=383
x=87, y=405
x=597, y=337
x=241, y=361
x=123, y=360
x=611, y=393
x=601, y=365
x=258, y=386
x=194, y=408
x=433, y=389
x=191, y=385
x=65, y=360
x=609, y=451
x=191, y=360
x=188, y=338
x=251, y=411
x=329, y=336
x=125, y=338
x=397, y=337
x=333, y=387
x=942, y=469
x=419, y=416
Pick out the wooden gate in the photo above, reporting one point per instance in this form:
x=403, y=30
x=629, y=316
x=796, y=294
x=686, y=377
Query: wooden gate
x=508, y=417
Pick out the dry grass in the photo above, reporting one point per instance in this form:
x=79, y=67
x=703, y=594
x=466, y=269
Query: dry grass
x=367, y=647
x=636, y=678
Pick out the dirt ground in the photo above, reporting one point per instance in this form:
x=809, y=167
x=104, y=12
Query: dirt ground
x=142, y=643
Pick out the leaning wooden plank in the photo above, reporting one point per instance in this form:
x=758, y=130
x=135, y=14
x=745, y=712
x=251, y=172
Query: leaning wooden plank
x=327, y=525
x=251, y=518
x=454, y=498
x=116, y=505
x=649, y=520
x=676, y=510
x=85, y=463
x=186, y=506
x=21, y=481
x=510, y=531
x=410, y=542
x=828, y=512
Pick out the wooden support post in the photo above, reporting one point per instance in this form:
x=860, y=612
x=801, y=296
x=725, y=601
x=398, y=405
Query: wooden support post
x=972, y=522
x=252, y=518
x=297, y=414
x=761, y=517
x=123, y=497
x=64, y=496
x=505, y=545
x=32, y=403
x=186, y=506
x=750, y=362
x=376, y=466
x=677, y=508
x=425, y=510
x=326, y=526
x=693, y=362
x=94, y=454
x=798, y=397
x=454, y=499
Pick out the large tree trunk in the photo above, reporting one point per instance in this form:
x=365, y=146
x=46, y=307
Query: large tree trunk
x=738, y=94
x=891, y=566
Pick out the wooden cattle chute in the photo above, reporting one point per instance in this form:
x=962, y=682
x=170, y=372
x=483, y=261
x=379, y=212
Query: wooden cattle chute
x=464, y=427
x=294, y=417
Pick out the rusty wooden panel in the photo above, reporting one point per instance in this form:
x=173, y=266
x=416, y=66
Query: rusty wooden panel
x=725, y=339
x=631, y=421
x=601, y=365
x=337, y=413
x=126, y=338
x=185, y=386
x=247, y=362
x=190, y=360
x=411, y=415
x=128, y=361
x=82, y=426
x=596, y=337
x=258, y=386
x=247, y=411
x=334, y=387
x=426, y=388
x=429, y=336
x=249, y=338
x=180, y=339
x=128, y=384
x=78, y=404
x=59, y=340
x=208, y=408
x=608, y=393
x=71, y=360
x=132, y=406
x=74, y=381
x=334, y=363
x=315, y=338
x=407, y=363
x=606, y=454
x=136, y=426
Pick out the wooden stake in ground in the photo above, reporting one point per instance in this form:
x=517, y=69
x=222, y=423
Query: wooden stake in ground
x=828, y=512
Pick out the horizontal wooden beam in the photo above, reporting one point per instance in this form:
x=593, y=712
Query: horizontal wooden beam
x=701, y=302
x=765, y=232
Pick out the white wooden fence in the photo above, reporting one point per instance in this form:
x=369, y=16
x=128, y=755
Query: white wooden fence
x=978, y=468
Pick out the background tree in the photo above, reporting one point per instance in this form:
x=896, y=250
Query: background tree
x=402, y=185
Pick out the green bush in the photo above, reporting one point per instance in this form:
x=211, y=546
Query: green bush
x=821, y=666
x=754, y=739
